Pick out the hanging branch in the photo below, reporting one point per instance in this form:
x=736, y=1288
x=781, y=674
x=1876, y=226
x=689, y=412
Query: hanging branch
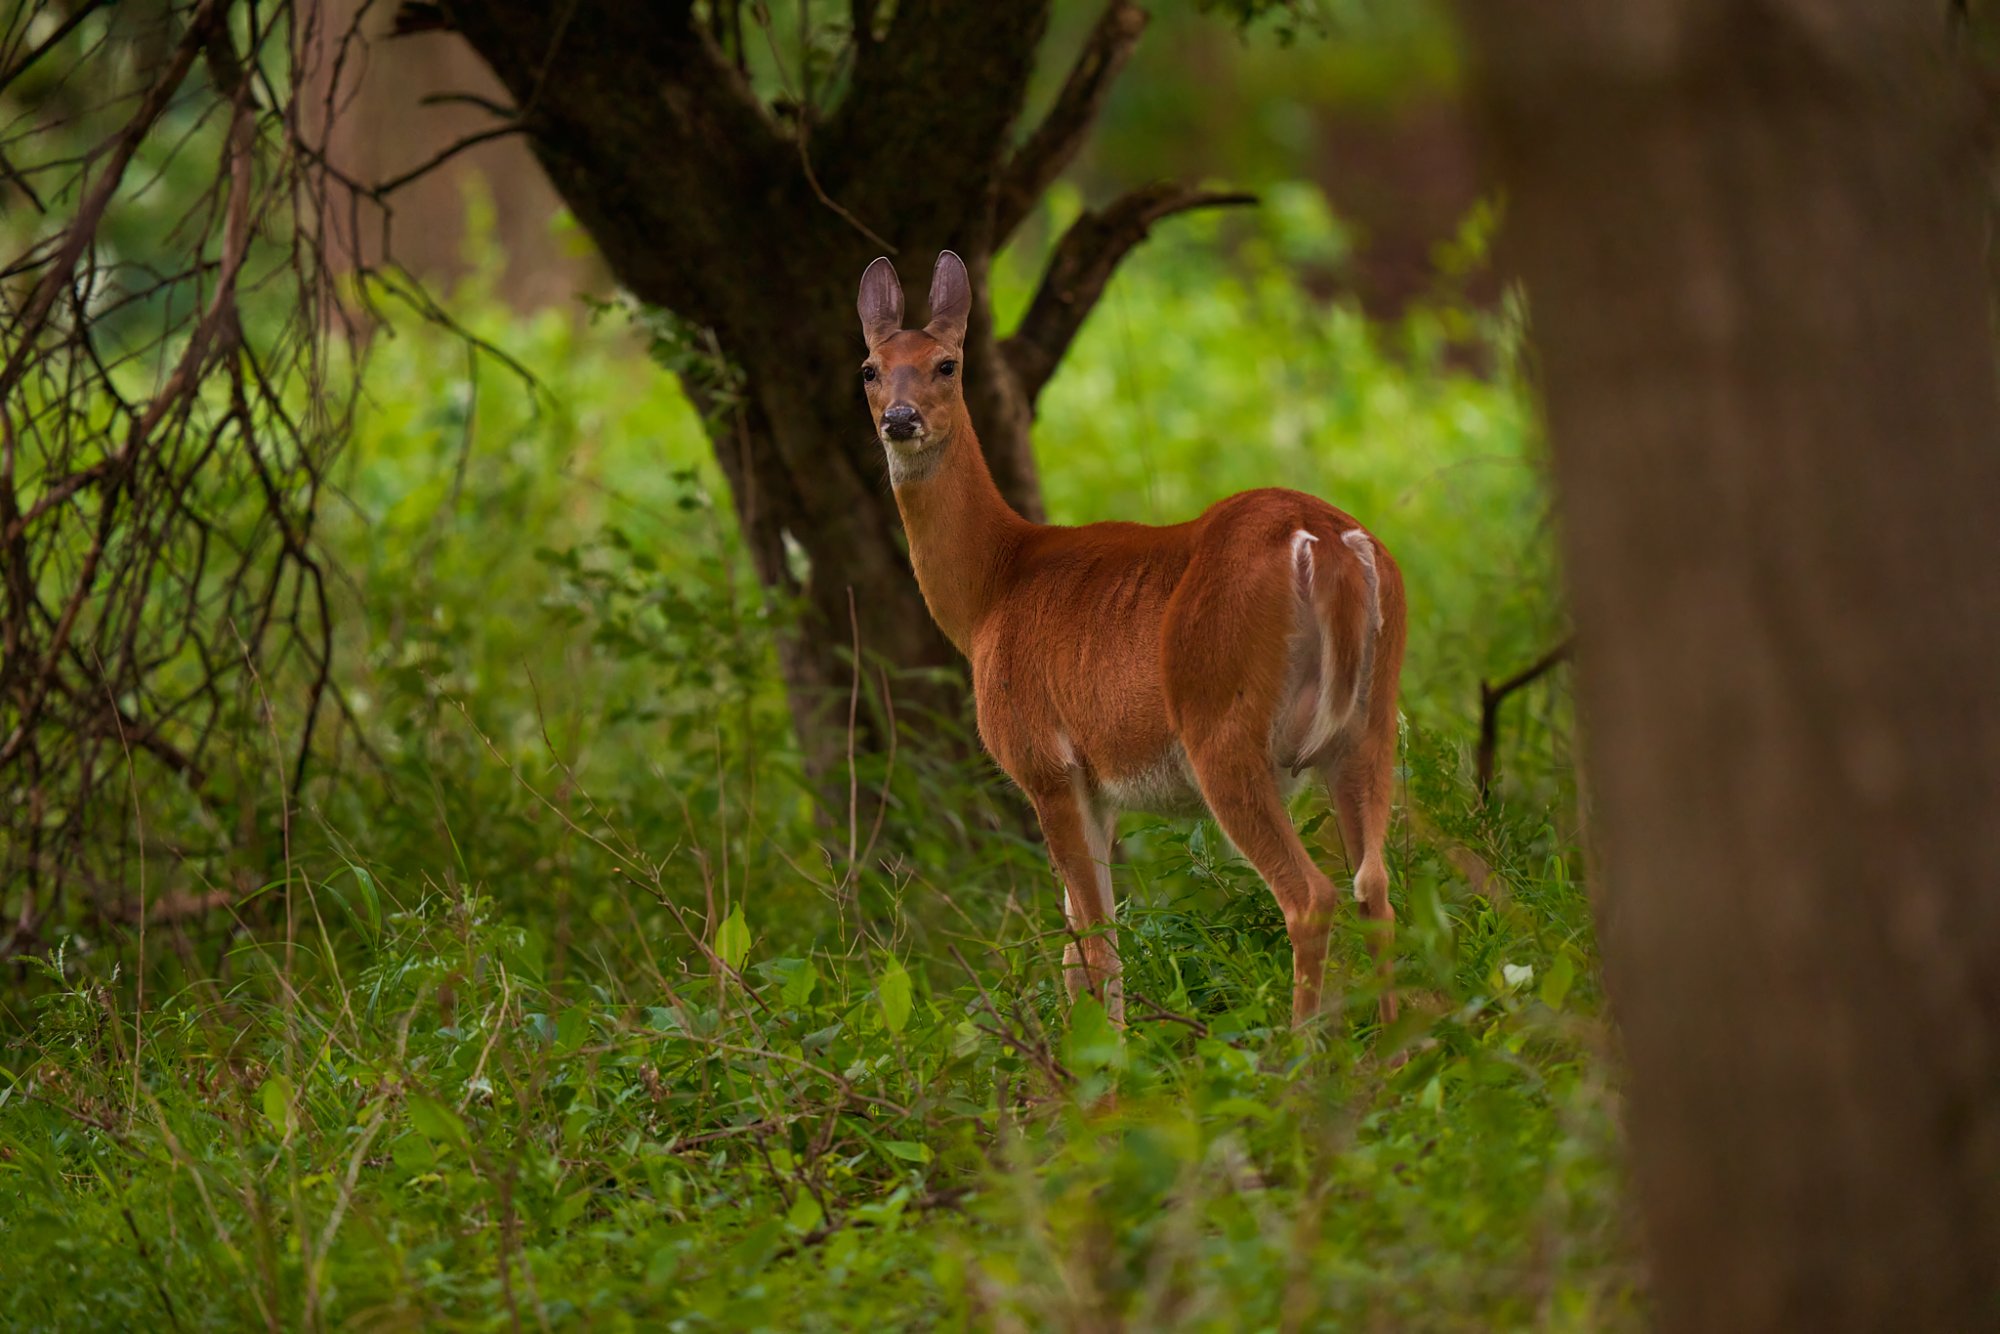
x=1083, y=263
x=82, y=230
x=1069, y=121
x=1491, y=697
x=159, y=587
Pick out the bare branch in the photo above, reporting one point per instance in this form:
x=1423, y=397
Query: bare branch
x=57, y=493
x=486, y=104
x=1055, y=141
x=157, y=517
x=54, y=39
x=173, y=399
x=84, y=226
x=9, y=172
x=1491, y=697
x=1083, y=263
x=444, y=155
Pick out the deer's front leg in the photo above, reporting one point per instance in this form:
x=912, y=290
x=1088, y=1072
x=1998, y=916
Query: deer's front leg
x=1079, y=840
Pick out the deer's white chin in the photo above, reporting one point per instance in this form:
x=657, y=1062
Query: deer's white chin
x=913, y=459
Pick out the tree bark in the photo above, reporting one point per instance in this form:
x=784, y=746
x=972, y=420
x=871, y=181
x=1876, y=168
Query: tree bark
x=757, y=225
x=1751, y=235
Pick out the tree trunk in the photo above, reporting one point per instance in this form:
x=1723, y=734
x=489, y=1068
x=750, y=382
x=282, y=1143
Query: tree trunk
x=756, y=225
x=1751, y=234
x=799, y=478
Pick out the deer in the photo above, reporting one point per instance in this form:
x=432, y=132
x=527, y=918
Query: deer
x=1205, y=666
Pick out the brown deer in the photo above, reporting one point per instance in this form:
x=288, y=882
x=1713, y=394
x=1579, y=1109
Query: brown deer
x=1119, y=666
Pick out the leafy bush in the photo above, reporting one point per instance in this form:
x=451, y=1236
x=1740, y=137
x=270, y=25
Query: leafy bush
x=567, y=1005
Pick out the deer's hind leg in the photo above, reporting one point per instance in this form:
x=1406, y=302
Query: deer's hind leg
x=1242, y=792
x=1226, y=657
x=1360, y=775
x=1360, y=784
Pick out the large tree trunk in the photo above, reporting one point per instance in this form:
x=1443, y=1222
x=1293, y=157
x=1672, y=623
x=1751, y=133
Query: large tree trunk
x=1751, y=235
x=756, y=226
x=702, y=207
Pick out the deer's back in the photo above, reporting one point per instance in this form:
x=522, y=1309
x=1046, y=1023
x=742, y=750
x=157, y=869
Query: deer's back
x=1068, y=666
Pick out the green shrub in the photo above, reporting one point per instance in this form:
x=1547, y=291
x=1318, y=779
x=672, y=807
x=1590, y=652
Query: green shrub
x=567, y=1007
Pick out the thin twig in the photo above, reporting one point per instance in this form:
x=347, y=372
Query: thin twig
x=152, y=1269
x=1491, y=697
x=1082, y=265
x=442, y=156
x=1056, y=140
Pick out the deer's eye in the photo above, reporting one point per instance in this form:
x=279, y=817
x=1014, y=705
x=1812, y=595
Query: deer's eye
x=947, y=366
x=868, y=374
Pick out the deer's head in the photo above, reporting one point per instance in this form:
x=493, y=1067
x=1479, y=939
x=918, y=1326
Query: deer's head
x=912, y=375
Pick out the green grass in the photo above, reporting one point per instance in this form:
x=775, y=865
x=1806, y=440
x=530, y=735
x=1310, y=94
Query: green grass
x=559, y=1004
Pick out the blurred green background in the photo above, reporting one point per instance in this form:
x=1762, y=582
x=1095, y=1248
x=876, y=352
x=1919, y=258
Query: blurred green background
x=560, y=1001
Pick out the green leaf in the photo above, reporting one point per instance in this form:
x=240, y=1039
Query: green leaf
x=799, y=985
x=755, y=1250
x=1093, y=1043
x=436, y=1122
x=665, y=1264
x=569, y=1208
x=805, y=1213
x=277, y=1099
x=1432, y=1098
x=577, y=1122
x=894, y=993
x=368, y=914
x=530, y=953
x=1556, y=982
x=908, y=1150
x=413, y=1153
x=732, y=938
x=572, y=1029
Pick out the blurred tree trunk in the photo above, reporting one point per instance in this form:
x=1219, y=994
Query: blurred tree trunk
x=395, y=111
x=1752, y=238
x=752, y=222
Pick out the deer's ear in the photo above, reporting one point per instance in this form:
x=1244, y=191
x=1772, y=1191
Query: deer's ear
x=951, y=300
x=881, y=301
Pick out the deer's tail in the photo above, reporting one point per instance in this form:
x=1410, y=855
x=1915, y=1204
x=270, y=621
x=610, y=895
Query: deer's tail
x=1343, y=605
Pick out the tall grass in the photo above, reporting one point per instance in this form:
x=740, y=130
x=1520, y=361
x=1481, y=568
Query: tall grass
x=560, y=1004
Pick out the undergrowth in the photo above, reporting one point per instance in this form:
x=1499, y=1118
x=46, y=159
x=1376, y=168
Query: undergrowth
x=561, y=1002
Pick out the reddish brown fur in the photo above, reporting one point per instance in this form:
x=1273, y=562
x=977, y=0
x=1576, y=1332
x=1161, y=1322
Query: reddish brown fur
x=1100, y=653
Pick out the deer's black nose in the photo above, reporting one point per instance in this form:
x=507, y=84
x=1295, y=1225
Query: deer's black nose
x=900, y=422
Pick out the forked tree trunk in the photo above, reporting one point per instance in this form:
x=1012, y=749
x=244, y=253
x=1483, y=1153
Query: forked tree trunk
x=756, y=225
x=1752, y=239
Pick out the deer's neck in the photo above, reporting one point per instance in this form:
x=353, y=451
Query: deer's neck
x=962, y=534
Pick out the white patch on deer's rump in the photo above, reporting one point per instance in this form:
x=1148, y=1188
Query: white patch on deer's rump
x=1358, y=541
x=1302, y=556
